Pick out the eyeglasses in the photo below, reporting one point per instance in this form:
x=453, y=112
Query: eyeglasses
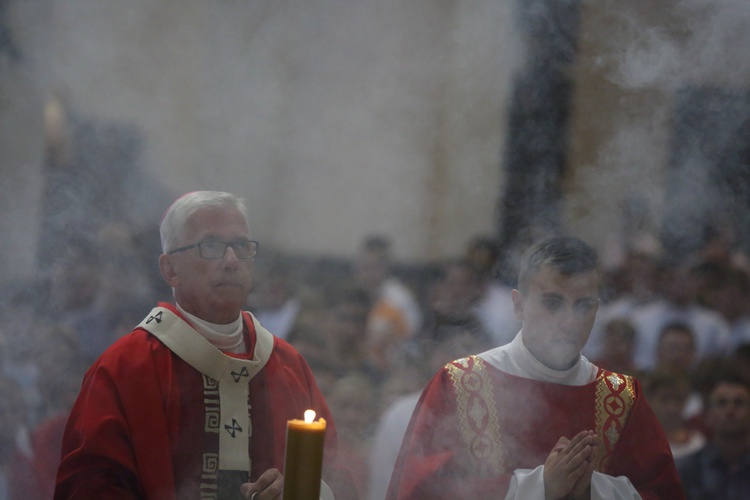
x=243, y=249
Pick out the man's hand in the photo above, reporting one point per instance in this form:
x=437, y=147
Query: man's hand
x=568, y=467
x=268, y=486
x=582, y=488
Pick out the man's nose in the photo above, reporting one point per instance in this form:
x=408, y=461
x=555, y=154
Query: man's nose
x=230, y=258
x=568, y=320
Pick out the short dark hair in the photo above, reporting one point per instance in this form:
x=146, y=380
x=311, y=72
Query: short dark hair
x=664, y=379
x=729, y=373
x=567, y=254
x=676, y=326
x=376, y=242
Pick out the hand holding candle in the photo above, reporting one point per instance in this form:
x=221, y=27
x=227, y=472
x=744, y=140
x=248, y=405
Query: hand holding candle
x=303, y=459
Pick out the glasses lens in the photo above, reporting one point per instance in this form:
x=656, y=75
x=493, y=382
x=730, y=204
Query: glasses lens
x=244, y=249
x=212, y=249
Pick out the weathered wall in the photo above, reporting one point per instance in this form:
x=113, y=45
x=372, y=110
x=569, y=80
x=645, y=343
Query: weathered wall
x=334, y=118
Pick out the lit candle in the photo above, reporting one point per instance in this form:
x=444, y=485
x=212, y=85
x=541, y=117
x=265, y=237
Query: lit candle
x=303, y=459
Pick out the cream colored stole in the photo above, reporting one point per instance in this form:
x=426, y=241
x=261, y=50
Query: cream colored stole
x=230, y=375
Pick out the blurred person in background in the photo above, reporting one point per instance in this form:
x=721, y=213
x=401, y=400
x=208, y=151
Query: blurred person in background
x=533, y=418
x=345, y=330
x=451, y=329
x=452, y=299
x=727, y=291
x=618, y=347
x=15, y=445
x=74, y=286
x=675, y=348
x=18, y=342
x=60, y=363
x=633, y=230
x=675, y=353
x=395, y=315
x=195, y=400
x=76, y=295
x=721, y=469
x=91, y=281
x=435, y=347
x=678, y=302
x=354, y=403
x=330, y=334
x=274, y=300
x=720, y=244
x=741, y=357
x=626, y=288
x=494, y=307
x=667, y=393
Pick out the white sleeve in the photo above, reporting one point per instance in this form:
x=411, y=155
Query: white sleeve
x=325, y=491
x=528, y=484
x=617, y=488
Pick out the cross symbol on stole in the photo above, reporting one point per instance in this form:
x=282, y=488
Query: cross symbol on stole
x=242, y=373
x=234, y=428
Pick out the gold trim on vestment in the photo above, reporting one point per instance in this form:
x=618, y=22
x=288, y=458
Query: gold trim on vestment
x=477, y=413
x=615, y=396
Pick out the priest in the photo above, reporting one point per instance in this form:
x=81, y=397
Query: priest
x=194, y=402
x=534, y=419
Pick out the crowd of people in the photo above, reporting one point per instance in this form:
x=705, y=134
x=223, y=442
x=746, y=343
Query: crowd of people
x=375, y=331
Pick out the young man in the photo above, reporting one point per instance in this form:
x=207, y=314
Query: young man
x=534, y=419
x=721, y=469
x=194, y=402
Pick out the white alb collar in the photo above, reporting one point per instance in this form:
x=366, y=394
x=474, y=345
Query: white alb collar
x=226, y=338
x=536, y=370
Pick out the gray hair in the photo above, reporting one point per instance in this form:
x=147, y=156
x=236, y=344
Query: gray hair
x=176, y=217
x=567, y=254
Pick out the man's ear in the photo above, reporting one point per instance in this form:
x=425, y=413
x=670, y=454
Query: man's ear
x=517, y=303
x=168, y=271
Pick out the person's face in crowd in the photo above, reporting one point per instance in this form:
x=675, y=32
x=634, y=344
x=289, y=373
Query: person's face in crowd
x=668, y=403
x=680, y=286
x=347, y=325
x=557, y=312
x=731, y=301
x=454, y=295
x=75, y=282
x=618, y=343
x=728, y=414
x=641, y=275
x=371, y=269
x=215, y=290
x=676, y=349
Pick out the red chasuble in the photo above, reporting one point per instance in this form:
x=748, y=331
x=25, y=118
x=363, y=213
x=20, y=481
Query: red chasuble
x=474, y=425
x=149, y=425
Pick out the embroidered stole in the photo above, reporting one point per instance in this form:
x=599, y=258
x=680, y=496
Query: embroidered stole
x=226, y=382
x=480, y=422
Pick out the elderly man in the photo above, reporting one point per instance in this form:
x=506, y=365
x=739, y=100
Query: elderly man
x=534, y=419
x=194, y=402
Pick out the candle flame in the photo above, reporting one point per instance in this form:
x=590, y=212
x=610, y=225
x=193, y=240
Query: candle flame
x=309, y=416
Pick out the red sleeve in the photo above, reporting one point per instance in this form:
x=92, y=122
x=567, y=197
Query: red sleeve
x=433, y=461
x=109, y=431
x=643, y=455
